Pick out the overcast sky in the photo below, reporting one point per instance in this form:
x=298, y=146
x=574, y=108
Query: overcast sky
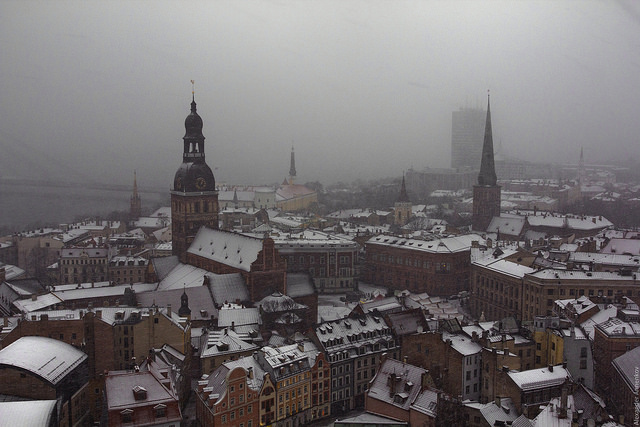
x=91, y=90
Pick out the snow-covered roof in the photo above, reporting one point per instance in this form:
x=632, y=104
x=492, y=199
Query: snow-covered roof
x=228, y=288
x=231, y=249
x=44, y=357
x=446, y=245
x=33, y=413
x=41, y=302
x=462, y=344
x=540, y=378
x=119, y=387
x=225, y=341
x=238, y=317
x=182, y=275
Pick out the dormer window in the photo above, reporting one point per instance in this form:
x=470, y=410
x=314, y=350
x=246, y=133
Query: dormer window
x=126, y=416
x=139, y=393
x=160, y=410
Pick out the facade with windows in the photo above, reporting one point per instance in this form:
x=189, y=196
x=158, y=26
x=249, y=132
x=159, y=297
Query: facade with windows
x=289, y=368
x=127, y=269
x=437, y=267
x=353, y=347
x=503, y=288
x=237, y=393
x=329, y=260
x=83, y=265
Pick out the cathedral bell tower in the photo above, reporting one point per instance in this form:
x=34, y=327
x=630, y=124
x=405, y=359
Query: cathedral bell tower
x=486, y=194
x=402, y=207
x=194, y=199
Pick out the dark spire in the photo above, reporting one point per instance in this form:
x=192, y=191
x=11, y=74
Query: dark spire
x=292, y=167
x=404, y=197
x=487, y=174
x=184, y=305
x=193, y=138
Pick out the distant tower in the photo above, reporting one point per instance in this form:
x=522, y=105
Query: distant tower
x=402, y=207
x=135, y=208
x=467, y=128
x=194, y=199
x=582, y=174
x=486, y=194
x=292, y=168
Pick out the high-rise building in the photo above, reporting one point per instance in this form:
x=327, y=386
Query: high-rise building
x=194, y=199
x=486, y=194
x=467, y=128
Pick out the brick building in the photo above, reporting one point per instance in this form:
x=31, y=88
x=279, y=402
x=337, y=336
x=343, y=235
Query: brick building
x=438, y=267
x=611, y=340
x=257, y=260
x=127, y=269
x=28, y=373
x=624, y=386
x=400, y=391
x=329, y=260
x=503, y=287
x=353, y=347
x=82, y=265
x=139, y=398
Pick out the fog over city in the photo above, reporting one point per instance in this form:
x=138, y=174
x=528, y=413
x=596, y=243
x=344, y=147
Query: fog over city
x=92, y=91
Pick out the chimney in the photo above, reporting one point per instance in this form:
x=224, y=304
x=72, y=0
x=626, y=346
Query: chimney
x=550, y=368
x=498, y=401
x=392, y=384
x=562, y=411
x=424, y=379
x=404, y=360
x=99, y=314
x=169, y=310
x=233, y=325
x=250, y=372
x=6, y=321
x=34, y=297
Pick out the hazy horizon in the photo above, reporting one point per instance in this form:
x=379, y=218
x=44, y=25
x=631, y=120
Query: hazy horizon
x=92, y=91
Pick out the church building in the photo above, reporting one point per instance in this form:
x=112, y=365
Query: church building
x=486, y=194
x=194, y=199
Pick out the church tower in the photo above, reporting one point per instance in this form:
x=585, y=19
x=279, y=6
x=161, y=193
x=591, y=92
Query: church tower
x=402, y=207
x=194, y=199
x=486, y=194
x=292, y=168
x=135, y=207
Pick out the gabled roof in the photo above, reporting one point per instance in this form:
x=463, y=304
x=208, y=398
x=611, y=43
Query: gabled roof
x=200, y=301
x=231, y=249
x=227, y=288
x=49, y=359
x=396, y=383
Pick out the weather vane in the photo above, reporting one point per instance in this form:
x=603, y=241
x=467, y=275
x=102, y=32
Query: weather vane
x=193, y=87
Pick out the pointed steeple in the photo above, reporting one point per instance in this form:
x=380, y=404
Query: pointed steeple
x=292, y=167
x=487, y=175
x=235, y=198
x=404, y=197
x=135, y=206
